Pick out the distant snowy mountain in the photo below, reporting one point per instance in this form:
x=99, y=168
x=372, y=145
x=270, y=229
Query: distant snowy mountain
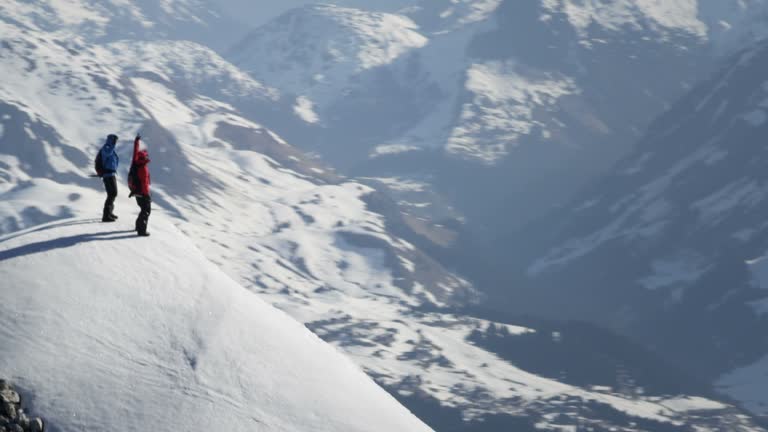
x=211, y=167
x=109, y=20
x=314, y=52
x=661, y=247
x=500, y=91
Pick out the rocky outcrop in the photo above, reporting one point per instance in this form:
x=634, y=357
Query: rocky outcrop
x=13, y=418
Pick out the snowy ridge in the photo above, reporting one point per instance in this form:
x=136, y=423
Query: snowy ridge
x=197, y=66
x=164, y=340
x=316, y=252
x=664, y=16
x=315, y=51
x=729, y=25
x=113, y=19
x=281, y=225
x=285, y=230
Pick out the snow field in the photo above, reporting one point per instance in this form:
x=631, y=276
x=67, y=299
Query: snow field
x=154, y=335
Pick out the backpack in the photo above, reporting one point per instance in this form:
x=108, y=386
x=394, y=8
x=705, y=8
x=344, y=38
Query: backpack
x=98, y=164
x=134, y=184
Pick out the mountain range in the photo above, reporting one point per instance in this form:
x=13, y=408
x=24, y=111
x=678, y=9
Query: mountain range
x=414, y=183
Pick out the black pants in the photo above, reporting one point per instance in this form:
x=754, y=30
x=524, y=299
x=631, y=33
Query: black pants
x=145, y=203
x=110, y=184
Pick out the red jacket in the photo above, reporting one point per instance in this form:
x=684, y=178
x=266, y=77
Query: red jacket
x=141, y=160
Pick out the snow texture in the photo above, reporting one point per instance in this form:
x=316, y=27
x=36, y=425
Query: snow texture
x=314, y=51
x=679, y=15
x=502, y=109
x=154, y=336
x=304, y=108
x=100, y=20
x=728, y=25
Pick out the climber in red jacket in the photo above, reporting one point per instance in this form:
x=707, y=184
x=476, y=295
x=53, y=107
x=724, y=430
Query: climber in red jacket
x=138, y=183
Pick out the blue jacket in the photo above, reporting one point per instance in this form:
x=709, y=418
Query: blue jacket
x=109, y=158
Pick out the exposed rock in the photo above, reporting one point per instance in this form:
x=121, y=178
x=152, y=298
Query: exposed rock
x=36, y=425
x=23, y=420
x=13, y=418
x=10, y=396
x=9, y=410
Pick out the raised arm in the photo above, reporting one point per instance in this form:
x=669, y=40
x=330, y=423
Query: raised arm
x=136, y=148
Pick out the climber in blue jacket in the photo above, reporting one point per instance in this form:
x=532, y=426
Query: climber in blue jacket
x=106, y=167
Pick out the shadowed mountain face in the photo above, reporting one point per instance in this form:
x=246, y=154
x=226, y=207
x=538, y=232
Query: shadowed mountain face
x=616, y=90
x=661, y=248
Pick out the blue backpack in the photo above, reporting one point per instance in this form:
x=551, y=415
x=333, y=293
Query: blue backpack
x=98, y=164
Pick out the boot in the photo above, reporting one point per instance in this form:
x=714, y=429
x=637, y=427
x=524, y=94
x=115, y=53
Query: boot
x=108, y=218
x=143, y=234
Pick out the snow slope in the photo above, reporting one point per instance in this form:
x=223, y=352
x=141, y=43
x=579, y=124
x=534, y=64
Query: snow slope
x=151, y=335
x=150, y=332
x=747, y=384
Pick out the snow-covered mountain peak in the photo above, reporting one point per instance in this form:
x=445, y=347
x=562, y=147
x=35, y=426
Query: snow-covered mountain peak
x=315, y=50
x=158, y=338
x=664, y=16
x=93, y=18
x=110, y=20
x=196, y=66
x=728, y=25
x=375, y=38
